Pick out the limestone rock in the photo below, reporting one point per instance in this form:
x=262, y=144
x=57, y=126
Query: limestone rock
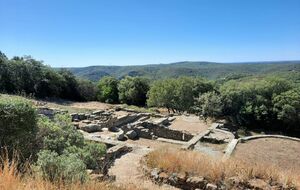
x=131, y=134
x=155, y=173
x=81, y=116
x=74, y=116
x=91, y=128
x=98, y=112
x=197, y=181
x=121, y=137
x=210, y=186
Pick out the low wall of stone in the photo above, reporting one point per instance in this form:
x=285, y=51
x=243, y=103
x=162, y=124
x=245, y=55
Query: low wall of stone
x=191, y=143
x=148, y=130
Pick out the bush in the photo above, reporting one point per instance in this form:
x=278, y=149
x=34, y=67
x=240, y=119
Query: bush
x=59, y=134
x=87, y=90
x=287, y=108
x=133, y=90
x=64, y=155
x=18, y=125
x=108, y=90
x=210, y=105
x=91, y=154
x=54, y=167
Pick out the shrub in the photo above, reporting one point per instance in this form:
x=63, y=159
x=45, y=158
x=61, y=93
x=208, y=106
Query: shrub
x=54, y=167
x=86, y=89
x=108, y=90
x=133, y=90
x=91, y=154
x=59, y=134
x=210, y=105
x=17, y=125
x=287, y=108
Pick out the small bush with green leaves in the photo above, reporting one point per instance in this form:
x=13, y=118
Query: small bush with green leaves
x=58, y=134
x=64, y=154
x=18, y=125
x=91, y=153
x=65, y=167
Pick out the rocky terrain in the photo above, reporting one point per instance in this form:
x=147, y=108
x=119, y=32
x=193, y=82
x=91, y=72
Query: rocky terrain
x=131, y=135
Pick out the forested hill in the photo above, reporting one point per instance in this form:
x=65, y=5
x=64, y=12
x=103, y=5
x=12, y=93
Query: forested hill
x=209, y=70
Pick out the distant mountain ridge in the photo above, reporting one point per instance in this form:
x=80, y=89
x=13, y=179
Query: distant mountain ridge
x=210, y=70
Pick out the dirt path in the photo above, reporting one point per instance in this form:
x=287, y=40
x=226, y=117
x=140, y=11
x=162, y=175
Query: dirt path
x=127, y=170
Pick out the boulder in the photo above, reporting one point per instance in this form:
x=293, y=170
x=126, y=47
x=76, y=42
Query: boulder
x=113, y=129
x=81, y=116
x=211, y=186
x=121, y=137
x=91, y=128
x=98, y=112
x=197, y=182
x=155, y=173
x=161, y=121
x=74, y=116
x=131, y=134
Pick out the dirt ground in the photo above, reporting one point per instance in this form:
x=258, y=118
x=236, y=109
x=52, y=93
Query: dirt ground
x=282, y=153
x=189, y=123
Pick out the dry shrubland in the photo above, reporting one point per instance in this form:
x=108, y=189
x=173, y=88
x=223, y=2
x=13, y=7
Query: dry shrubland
x=196, y=164
x=12, y=179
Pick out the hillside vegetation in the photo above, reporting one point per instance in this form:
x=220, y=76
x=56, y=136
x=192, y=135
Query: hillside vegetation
x=208, y=70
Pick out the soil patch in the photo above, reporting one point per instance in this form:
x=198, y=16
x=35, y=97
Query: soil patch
x=190, y=123
x=282, y=153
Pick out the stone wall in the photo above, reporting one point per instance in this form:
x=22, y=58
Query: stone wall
x=149, y=130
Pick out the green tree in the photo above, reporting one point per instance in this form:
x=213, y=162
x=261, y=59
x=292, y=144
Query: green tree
x=162, y=94
x=87, y=90
x=210, y=105
x=250, y=102
x=108, y=90
x=287, y=108
x=133, y=90
x=177, y=94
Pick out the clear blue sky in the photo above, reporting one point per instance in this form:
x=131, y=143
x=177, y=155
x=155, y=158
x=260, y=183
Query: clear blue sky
x=127, y=32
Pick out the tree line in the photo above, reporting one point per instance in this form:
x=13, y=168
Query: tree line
x=25, y=75
x=268, y=102
x=265, y=101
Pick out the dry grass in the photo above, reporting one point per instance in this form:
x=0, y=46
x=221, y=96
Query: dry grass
x=197, y=164
x=11, y=179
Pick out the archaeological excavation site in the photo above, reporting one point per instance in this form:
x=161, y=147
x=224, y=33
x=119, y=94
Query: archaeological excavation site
x=140, y=145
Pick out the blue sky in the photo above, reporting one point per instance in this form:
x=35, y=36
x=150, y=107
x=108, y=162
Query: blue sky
x=133, y=32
